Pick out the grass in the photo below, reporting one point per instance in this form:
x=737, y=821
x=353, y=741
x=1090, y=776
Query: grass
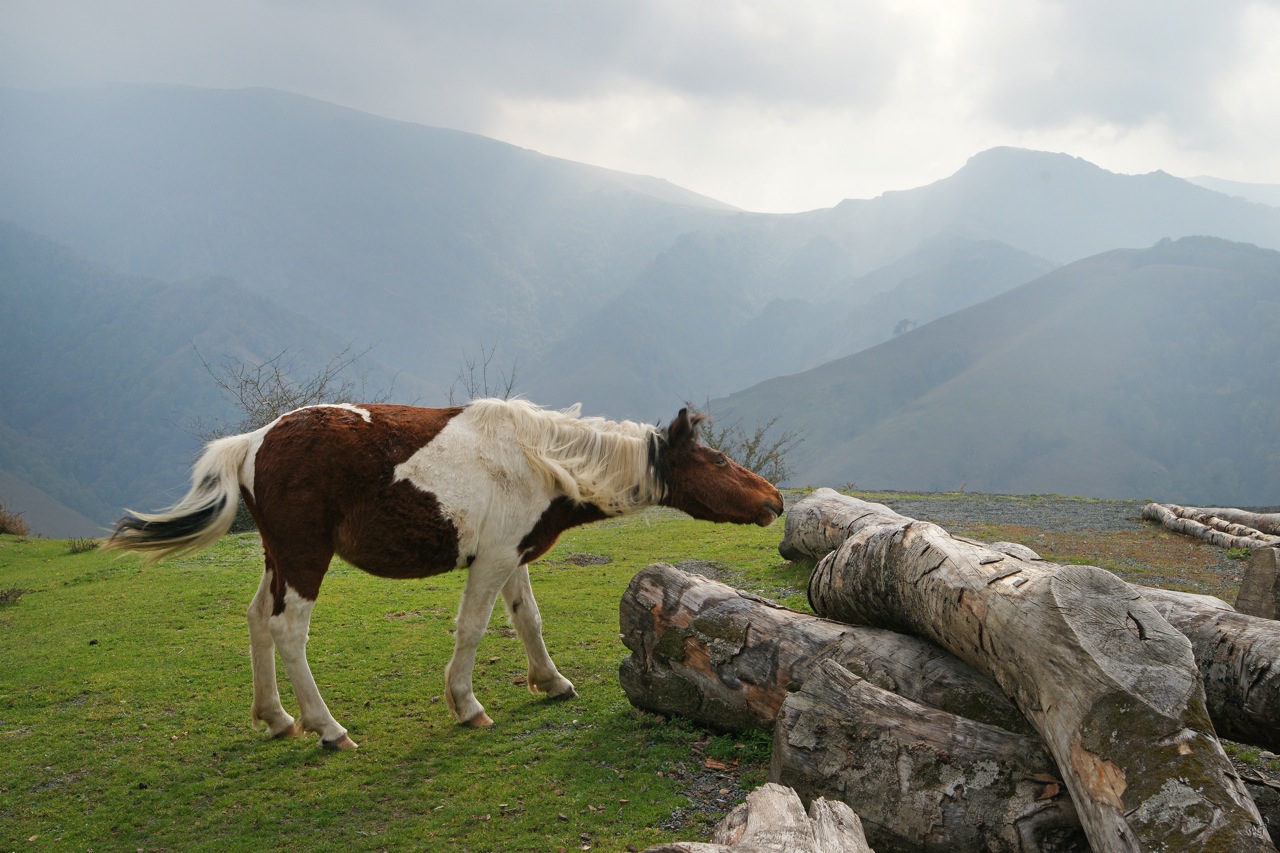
x=125, y=691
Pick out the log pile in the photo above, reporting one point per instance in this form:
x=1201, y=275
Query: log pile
x=1221, y=526
x=1067, y=704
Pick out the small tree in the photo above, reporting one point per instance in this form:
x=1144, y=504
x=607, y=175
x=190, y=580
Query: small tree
x=760, y=449
x=475, y=381
x=264, y=391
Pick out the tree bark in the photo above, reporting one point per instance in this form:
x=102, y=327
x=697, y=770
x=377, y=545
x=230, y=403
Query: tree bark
x=921, y=779
x=1237, y=656
x=1112, y=688
x=773, y=820
x=727, y=659
x=1226, y=528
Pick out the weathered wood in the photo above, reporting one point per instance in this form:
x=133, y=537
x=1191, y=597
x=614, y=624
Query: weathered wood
x=1235, y=655
x=1260, y=588
x=921, y=779
x=773, y=820
x=727, y=659
x=1219, y=526
x=1112, y=688
x=1238, y=657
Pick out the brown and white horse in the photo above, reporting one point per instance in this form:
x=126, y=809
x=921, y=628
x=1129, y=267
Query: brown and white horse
x=408, y=492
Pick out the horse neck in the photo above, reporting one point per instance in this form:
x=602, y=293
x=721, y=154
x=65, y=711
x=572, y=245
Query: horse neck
x=592, y=461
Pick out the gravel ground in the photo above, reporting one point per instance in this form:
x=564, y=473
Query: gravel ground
x=1050, y=512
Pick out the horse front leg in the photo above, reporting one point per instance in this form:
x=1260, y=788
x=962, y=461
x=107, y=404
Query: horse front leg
x=522, y=610
x=484, y=579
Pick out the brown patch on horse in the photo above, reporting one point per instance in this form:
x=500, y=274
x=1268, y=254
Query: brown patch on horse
x=559, y=516
x=323, y=485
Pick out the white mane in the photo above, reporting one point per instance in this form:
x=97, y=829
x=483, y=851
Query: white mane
x=590, y=460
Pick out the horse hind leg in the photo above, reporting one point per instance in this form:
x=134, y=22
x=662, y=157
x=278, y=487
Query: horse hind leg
x=522, y=610
x=289, y=629
x=262, y=648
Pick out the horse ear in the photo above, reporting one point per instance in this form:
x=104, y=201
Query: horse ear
x=684, y=428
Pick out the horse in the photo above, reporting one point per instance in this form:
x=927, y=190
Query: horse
x=410, y=492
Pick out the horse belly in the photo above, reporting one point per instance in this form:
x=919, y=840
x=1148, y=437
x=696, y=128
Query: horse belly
x=402, y=533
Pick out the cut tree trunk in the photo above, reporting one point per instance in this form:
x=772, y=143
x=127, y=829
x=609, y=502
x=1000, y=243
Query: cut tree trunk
x=727, y=659
x=1226, y=528
x=773, y=820
x=1235, y=654
x=921, y=779
x=1110, y=686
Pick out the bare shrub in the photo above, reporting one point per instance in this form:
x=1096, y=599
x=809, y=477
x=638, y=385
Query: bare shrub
x=12, y=523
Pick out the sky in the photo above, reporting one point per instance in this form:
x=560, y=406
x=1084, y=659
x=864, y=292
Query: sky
x=772, y=106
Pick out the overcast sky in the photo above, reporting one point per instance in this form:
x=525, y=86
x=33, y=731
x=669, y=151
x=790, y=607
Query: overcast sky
x=770, y=106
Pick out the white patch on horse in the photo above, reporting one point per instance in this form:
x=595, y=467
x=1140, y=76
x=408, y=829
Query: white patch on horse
x=484, y=484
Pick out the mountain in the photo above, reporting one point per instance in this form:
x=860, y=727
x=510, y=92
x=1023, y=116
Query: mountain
x=142, y=228
x=418, y=239
x=104, y=379
x=754, y=294
x=1133, y=373
x=1268, y=194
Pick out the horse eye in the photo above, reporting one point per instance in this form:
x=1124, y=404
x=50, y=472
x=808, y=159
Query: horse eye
x=722, y=459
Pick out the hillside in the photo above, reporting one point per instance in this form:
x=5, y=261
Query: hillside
x=1136, y=373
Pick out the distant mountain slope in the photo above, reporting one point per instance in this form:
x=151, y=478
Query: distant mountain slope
x=753, y=294
x=1136, y=373
x=103, y=380
x=1268, y=194
x=420, y=239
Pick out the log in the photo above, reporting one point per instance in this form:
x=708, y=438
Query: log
x=1216, y=525
x=1260, y=589
x=727, y=659
x=921, y=779
x=1234, y=654
x=773, y=820
x=1237, y=656
x=1110, y=686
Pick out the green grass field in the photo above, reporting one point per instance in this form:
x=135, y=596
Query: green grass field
x=125, y=692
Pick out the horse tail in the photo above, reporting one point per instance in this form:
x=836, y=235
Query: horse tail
x=202, y=517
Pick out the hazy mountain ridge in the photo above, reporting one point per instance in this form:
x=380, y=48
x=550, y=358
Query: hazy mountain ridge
x=1136, y=372
x=251, y=222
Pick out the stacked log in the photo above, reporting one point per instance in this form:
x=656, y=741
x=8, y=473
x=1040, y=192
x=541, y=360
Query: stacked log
x=1112, y=691
x=1221, y=526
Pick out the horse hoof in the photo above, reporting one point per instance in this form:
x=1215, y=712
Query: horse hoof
x=560, y=697
x=479, y=721
x=294, y=729
x=343, y=742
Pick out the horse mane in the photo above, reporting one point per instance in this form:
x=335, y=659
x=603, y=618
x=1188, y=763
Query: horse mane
x=591, y=460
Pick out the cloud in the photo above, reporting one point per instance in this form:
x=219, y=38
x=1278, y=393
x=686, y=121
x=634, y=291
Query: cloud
x=768, y=104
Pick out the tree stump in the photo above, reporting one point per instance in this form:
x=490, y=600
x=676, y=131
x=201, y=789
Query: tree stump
x=1111, y=687
x=773, y=820
x=1260, y=589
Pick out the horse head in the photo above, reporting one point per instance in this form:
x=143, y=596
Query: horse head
x=706, y=484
